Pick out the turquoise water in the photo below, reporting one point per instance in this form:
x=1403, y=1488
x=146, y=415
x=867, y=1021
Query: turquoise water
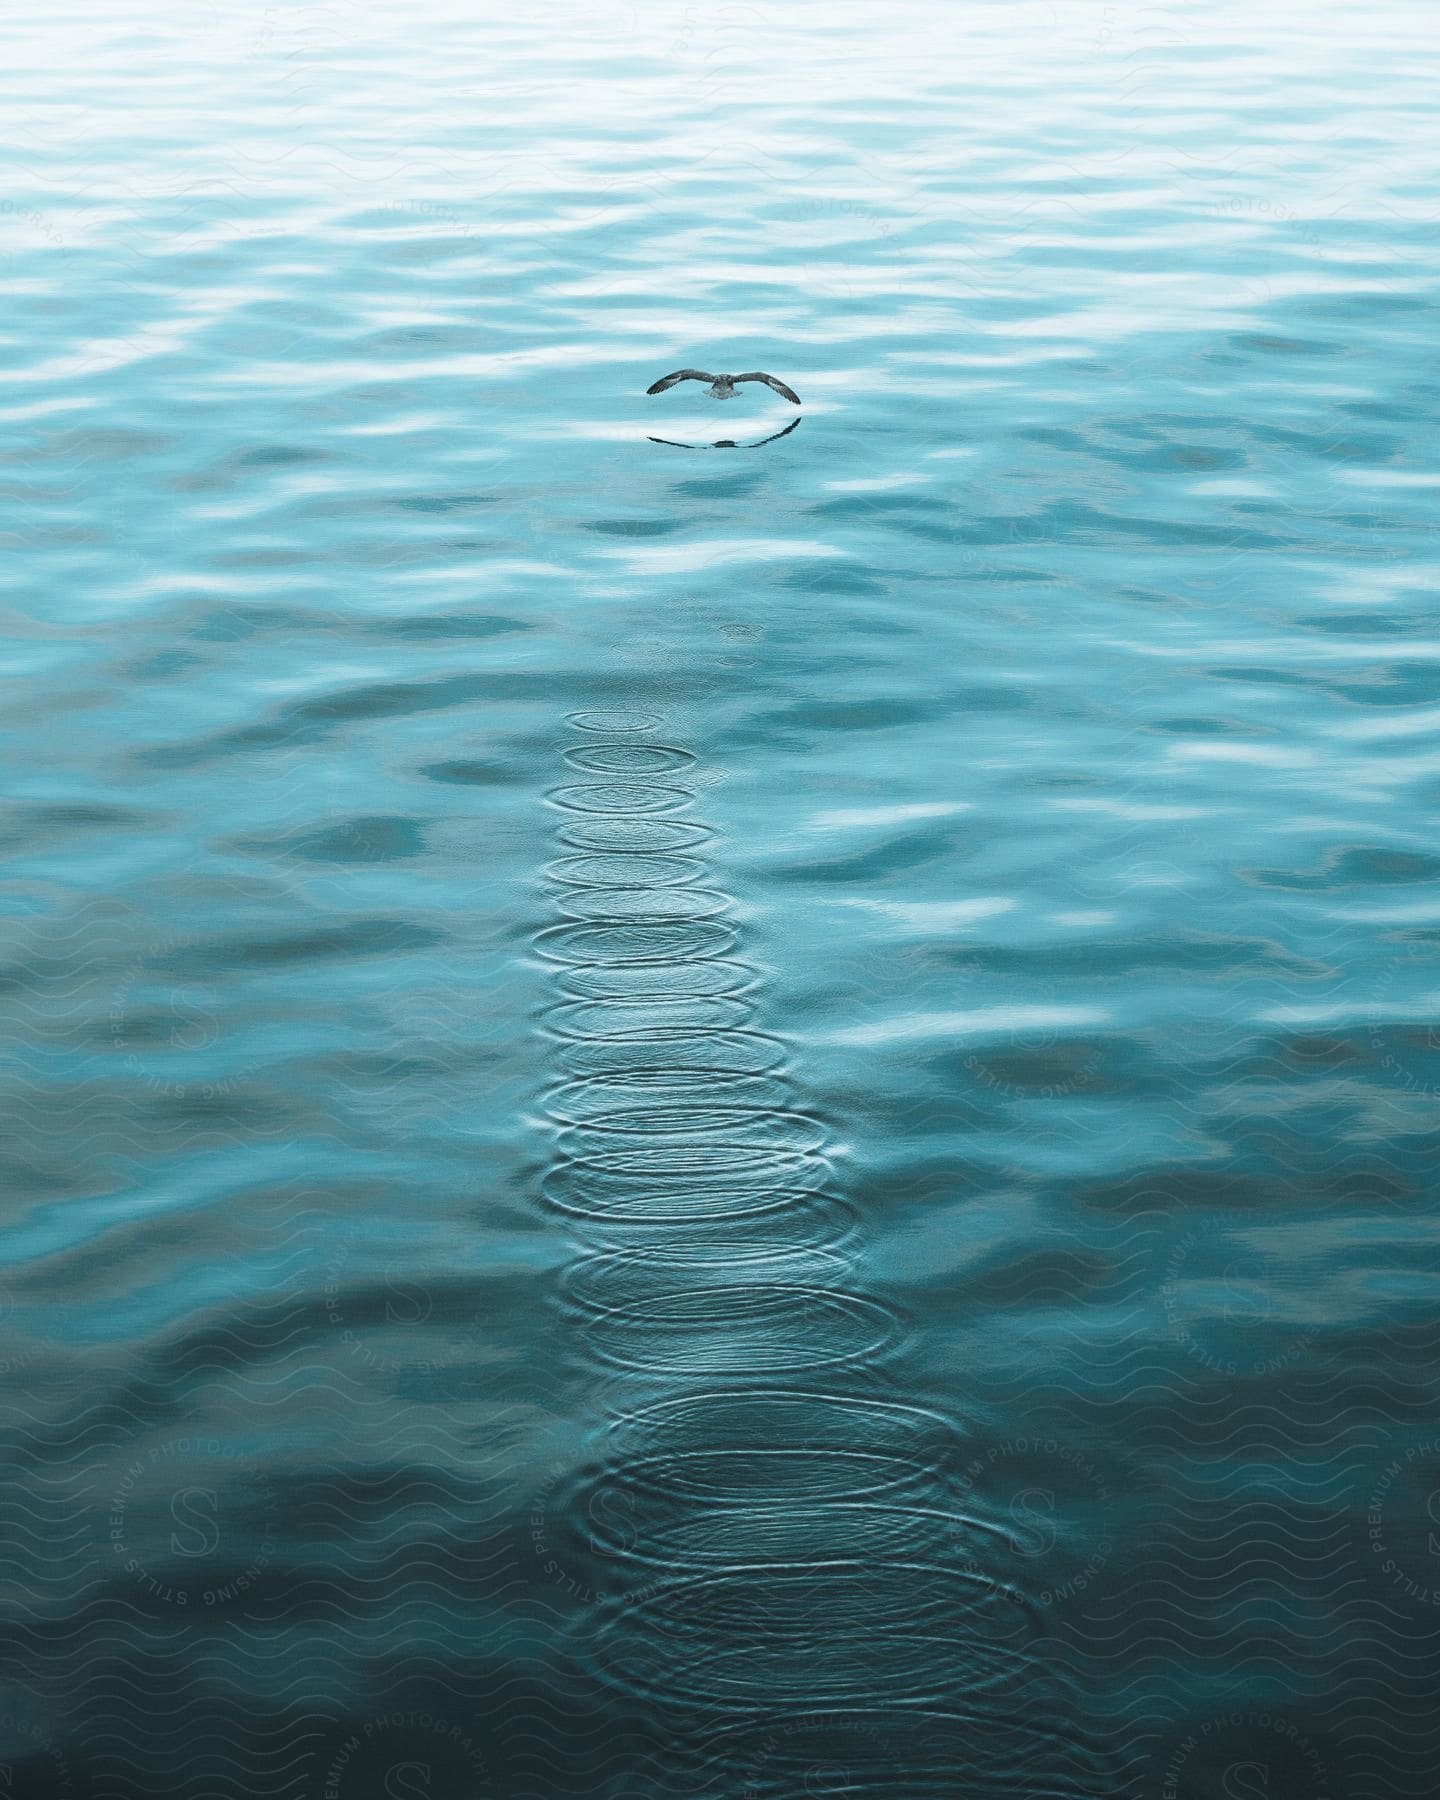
x=751, y=1122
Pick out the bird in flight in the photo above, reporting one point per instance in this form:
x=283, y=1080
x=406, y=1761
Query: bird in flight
x=722, y=387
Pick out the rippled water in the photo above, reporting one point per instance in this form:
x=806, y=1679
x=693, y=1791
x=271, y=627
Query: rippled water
x=692, y=1115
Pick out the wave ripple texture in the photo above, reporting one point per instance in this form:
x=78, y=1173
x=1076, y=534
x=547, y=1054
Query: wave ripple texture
x=783, y=1566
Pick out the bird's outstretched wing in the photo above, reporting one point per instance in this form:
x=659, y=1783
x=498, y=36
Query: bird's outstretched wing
x=771, y=382
x=668, y=381
x=771, y=439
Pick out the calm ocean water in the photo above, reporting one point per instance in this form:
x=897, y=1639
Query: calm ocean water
x=743, y=1121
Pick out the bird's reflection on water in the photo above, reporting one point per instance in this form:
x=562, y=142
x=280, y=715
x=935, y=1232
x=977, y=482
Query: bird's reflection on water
x=728, y=443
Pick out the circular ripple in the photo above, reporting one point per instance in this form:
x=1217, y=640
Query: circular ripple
x=781, y=1446
x=629, y=869
x=663, y=981
x=621, y=797
x=845, y=1595
x=626, y=1018
x=758, y=1327
x=907, y=1668
x=714, y=1124
x=627, y=759
x=827, y=1632
x=606, y=904
x=633, y=836
x=626, y=1278
x=744, y=1052
x=663, y=943
x=758, y=1219
x=632, y=1208
x=594, y=1099
x=613, y=721
x=652, y=1527
x=604, y=1173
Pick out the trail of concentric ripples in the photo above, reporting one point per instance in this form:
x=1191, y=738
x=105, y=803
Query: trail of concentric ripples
x=783, y=1567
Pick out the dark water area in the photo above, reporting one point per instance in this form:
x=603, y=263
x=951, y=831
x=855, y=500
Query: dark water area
x=695, y=1104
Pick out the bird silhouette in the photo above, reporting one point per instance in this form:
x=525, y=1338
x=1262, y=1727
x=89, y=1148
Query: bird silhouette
x=728, y=443
x=722, y=387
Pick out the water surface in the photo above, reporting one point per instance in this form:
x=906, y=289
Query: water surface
x=747, y=1122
